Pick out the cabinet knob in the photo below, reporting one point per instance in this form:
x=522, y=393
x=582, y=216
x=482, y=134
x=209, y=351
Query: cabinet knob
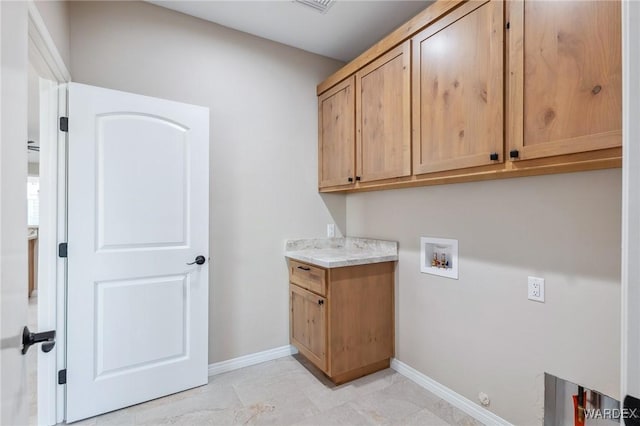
x=493, y=156
x=357, y=177
x=514, y=153
x=320, y=302
x=350, y=179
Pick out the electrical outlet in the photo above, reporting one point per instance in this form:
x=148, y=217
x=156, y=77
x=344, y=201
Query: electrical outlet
x=536, y=289
x=331, y=230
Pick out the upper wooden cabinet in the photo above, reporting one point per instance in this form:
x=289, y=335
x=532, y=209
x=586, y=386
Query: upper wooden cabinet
x=565, y=93
x=336, y=135
x=477, y=90
x=458, y=90
x=365, y=123
x=383, y=117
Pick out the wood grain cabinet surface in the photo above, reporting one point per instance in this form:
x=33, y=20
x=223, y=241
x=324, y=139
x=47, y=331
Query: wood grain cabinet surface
x=309, y=325
x=383, y=117
x=477, y=90
x=349, y=332
x=458, y=90
x=365, y=123
x=566, y=77
x=336, y=135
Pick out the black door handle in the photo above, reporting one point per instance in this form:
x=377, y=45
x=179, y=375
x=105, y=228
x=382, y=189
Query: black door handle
x=199, y=261
x=47, y=338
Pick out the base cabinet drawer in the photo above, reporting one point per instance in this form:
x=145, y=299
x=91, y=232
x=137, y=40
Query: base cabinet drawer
x=309, y=277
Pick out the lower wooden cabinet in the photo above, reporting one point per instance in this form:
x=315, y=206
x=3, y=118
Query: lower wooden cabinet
x=345, y=327
x=309, y=325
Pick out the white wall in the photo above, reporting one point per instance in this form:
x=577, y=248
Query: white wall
x=55, y=14
x=263, y=147
x=480, y=333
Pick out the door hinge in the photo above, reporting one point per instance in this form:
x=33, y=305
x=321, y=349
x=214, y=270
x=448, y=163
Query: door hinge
x=64, y=124
x=62, y=377
x=508, y=25
x=62, y=250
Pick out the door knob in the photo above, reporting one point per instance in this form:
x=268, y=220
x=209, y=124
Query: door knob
x=199, y=261
x=47, y=338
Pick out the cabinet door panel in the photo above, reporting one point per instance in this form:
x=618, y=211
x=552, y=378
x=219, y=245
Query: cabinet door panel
x=383, y=116
x=458, y=90
x=336, y=138
x=566, y=77
x=308, y=324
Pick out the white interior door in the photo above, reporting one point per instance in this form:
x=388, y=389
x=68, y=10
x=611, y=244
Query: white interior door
x=137, y=314
x=13, y=212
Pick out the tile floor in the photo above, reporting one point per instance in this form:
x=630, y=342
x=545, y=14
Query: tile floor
x=285, y=392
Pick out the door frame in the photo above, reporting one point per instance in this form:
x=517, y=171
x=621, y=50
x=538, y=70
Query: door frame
x=630, y=294
x=45, y=58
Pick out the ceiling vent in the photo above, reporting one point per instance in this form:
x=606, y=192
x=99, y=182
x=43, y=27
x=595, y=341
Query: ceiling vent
x=321, y=6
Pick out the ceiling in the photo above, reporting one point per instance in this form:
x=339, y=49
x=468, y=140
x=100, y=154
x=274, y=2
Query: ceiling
x=347, y=29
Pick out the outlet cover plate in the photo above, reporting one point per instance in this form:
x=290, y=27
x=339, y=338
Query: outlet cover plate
x=331, y=230
x=535, y=289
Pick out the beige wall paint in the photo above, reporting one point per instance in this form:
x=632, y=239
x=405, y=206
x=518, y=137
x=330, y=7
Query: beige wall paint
x=480, y=333
x=55, y=14
x=263, y=147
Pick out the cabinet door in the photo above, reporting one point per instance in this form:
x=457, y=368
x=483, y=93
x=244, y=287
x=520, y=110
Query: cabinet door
x=336, y=135
x=565, y=77
x=383, y=117
x=309, y=325
x=458, y=90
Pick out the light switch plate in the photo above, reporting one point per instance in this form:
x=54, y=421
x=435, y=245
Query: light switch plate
x=535, y=289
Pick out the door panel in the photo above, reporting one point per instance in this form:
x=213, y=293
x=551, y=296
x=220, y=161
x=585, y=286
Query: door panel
x=123, y=220
x=566, y=77
x=457, y=75
x=308, y=325
x=336, y=138
x=120, y=347
x=383, y=112
x=138, y=213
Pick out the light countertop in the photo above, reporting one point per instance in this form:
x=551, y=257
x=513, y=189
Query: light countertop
x=339, y=252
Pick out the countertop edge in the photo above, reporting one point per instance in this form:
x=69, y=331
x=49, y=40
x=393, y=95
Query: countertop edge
x=341, y=263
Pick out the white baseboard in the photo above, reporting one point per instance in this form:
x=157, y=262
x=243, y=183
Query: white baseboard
x=251, y=359
x=471, y=408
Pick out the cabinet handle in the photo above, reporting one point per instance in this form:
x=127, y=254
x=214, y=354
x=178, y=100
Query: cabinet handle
x=357, y=177
x=493, y=156
x=514, y=153
x=350, y=179
x=304, y=268
x=320, y=302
